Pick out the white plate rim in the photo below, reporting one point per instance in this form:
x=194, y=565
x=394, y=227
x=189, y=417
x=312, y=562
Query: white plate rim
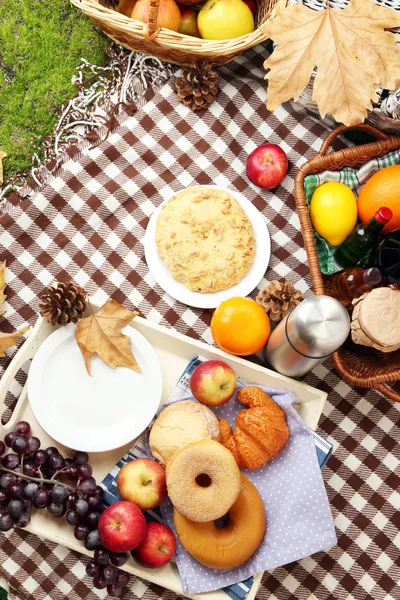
x=36, y=371
x=244, y=287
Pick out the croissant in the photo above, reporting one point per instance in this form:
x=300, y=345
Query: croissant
x=261, y=430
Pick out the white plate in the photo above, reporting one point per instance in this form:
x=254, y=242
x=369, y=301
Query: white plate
x=97, y=413
x=179, y=291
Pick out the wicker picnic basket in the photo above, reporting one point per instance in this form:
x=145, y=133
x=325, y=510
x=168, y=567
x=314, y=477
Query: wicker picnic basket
x=166, y=44
x=361, y=366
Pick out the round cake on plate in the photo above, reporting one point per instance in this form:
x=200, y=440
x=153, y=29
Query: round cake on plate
x=205, y=239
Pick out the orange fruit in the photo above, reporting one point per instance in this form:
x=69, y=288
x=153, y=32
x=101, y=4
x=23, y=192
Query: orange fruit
x=240, y=326
x=382, y=189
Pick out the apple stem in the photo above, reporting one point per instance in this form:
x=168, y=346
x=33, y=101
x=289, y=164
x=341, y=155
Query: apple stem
x=147, y=482
x=163, y=549
x=267, y=158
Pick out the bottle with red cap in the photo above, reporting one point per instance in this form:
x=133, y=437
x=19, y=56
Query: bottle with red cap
x=362, y=239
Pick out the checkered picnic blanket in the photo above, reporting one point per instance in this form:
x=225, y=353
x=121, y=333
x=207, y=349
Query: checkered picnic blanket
x=88, y=223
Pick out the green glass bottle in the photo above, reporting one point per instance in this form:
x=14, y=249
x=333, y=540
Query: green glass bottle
x=363, y=237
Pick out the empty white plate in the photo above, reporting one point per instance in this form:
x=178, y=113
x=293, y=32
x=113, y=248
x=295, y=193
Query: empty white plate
x=179, y=291
x=93, y=413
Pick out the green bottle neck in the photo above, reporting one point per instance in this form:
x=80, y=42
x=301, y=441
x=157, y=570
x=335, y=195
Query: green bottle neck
x=373, y=226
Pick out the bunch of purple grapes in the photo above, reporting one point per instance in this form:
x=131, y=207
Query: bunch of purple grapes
x=31, y=477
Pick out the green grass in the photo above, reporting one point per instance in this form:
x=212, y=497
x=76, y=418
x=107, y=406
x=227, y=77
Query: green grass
x=41, y=44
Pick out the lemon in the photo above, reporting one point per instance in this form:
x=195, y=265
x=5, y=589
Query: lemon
x=333, y=211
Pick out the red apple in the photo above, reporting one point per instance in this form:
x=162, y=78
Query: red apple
x=189, y=22
x=157, y=548
x=213, y=382
x=122, y=527
x=142, y=481
x=252, y=4
x=267, y=166
x=168, y=13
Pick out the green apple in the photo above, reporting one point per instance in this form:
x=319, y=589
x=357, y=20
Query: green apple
x=225, y=19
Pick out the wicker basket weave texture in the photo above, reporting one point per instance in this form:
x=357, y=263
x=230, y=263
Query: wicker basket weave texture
x=361, y=366
x=168, y=45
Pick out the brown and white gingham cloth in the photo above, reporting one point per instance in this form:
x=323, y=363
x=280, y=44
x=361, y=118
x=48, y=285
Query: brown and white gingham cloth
x=88, y=224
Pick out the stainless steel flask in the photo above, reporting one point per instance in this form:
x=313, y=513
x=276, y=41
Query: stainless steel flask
x=311, y=332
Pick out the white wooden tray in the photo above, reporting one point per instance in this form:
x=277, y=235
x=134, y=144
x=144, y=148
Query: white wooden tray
x=174, y=351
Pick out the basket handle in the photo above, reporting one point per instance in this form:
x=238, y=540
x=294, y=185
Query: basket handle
x=387, y=391
x=379, y=135
x=25, y=353
x=150, y=28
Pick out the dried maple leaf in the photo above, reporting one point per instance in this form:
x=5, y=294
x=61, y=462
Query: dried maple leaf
x=2, y=285
x=9, y=339
x=2, y=155
x=350, y=47
x=101, y=334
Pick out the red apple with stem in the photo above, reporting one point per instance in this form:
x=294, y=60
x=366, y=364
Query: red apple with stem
x=213, y=382
x=157, y=548
x=267, y=166
x=122, y=527
x=142, y=481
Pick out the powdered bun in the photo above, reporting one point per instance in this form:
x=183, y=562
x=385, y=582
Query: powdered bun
x=203, y=481
x=181, y=424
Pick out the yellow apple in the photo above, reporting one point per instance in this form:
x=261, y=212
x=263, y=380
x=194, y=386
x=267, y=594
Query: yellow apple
x=225, y=19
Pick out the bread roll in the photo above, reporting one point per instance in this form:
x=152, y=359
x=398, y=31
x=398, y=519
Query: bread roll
x=181, y=424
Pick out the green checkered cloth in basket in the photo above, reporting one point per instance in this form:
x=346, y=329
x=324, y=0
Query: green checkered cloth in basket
x=354, y=179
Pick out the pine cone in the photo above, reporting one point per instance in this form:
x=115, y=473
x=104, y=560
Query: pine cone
x=278, y=298
x=63, y=303
x=197, y=87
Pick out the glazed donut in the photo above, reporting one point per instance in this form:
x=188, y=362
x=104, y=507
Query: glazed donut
x=203, y=480
x=231, y=541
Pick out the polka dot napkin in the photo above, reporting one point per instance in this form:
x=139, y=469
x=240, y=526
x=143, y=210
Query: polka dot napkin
x=299, y=520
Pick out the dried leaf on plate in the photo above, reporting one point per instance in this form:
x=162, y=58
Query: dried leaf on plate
x=2, y=155
x=351, y=48
x=101, y=334
x=7, y=340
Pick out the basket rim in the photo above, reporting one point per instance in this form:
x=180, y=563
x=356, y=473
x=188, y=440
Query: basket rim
x=335, y=160
x=171, y=39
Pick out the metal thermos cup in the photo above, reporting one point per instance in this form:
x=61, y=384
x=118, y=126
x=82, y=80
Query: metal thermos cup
x=307, y=335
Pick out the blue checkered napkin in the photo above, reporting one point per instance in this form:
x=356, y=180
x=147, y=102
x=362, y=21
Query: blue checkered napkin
x=237, y=591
